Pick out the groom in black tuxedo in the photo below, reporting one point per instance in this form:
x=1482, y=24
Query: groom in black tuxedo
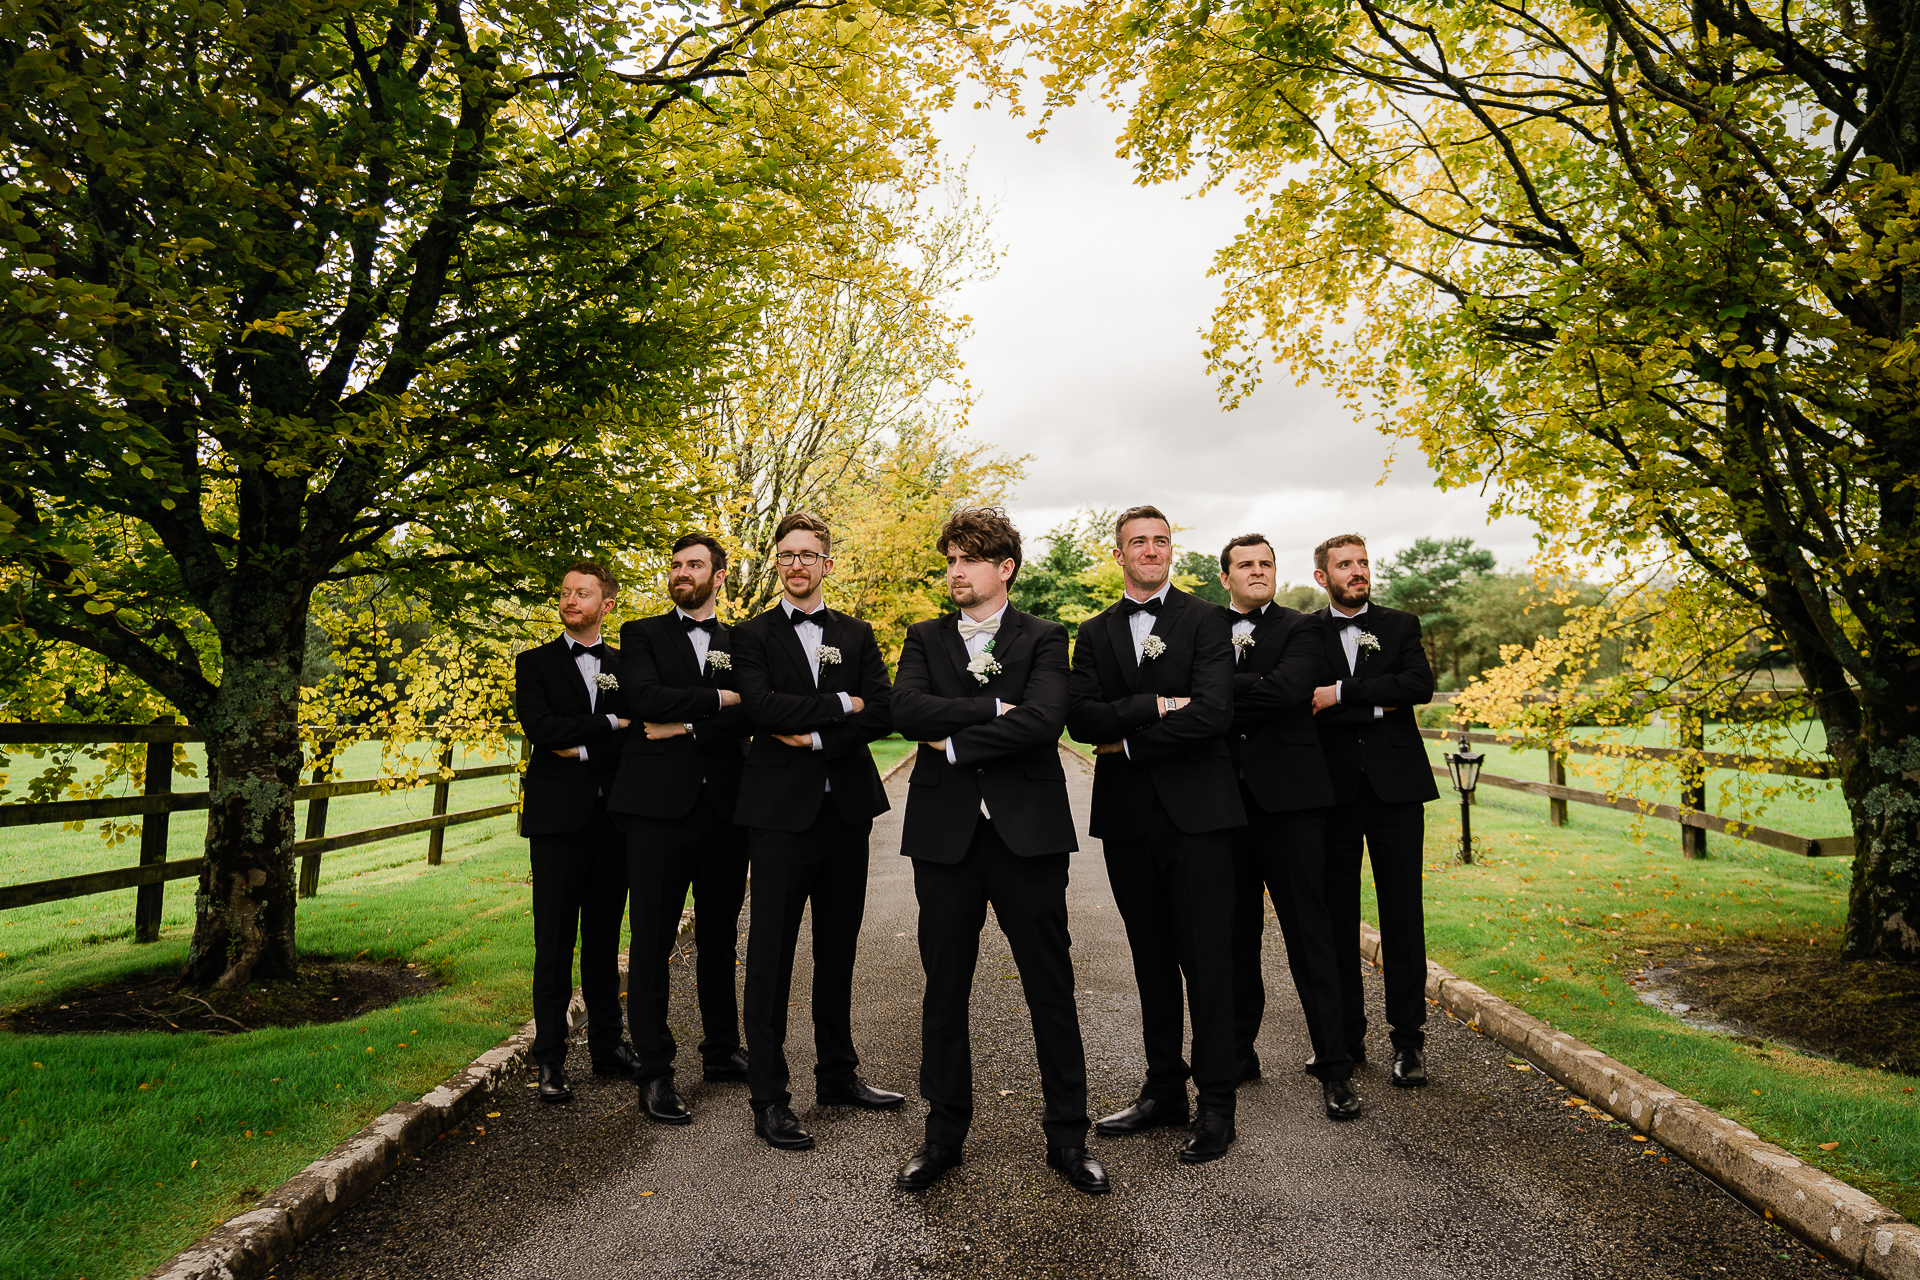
x=1381, y=783
x=567, y=696
x=1153, y=688
x=1279, y=659
x=816, y=690
x=675, y=793
x=985, y=691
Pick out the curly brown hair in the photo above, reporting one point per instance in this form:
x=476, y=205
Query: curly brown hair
x=984, y=532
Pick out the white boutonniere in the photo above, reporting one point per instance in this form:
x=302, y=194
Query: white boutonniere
x=719, y=660
x=607, y=682
x=828, y=655
x=1243, y=641
x=982, y=666
x=1367, y=642
x=1152, y=647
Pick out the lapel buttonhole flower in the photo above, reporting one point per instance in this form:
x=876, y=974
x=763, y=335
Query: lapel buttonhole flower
x=1367, y=642
x=1152, y=647
x=1243, y=642
x=719, y=660
x=828, y=655
x=982, y=665
x=607, y=681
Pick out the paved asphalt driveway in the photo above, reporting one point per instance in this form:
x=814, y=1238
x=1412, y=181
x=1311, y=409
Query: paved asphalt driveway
x=1486, y=1173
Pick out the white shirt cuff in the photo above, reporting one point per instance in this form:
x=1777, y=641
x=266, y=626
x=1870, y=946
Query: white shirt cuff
x=613, y=721
x=1126, y=750
x=1336, y=690
x=582, y=749
x=999, y=707
x=950, y=759
x=846, y=704
x=719, y=700
x=817, y=744
x=1378, y=712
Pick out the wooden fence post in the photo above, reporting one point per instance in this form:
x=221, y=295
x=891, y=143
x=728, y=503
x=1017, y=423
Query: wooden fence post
x=1693, y=788
x=1557, y=775
x=437, y=838
x=316, y=824
x=150, y=899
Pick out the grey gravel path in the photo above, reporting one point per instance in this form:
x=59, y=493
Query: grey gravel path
x=1487, y=1173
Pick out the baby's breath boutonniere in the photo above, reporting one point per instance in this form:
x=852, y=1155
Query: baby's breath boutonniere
x=1243, y=641
x=982, y=665
x=607, y=681
x=1152, y=647
x=828, y=655
x=1367, y=642
x=719, y=660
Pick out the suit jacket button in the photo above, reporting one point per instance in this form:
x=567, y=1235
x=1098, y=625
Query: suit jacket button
x=1243, y=737
x=980, y=772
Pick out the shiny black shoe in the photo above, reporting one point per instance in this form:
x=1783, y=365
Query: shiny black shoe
x=661, y=1101
x=1342, y=1102
x=774, y=1125
x=731, y=1067
x=1409, y=1068
x=1211, y=1135
x=1141, y=1114
x=924, y=1167
x=553, y=1084
x=859, y=1093
x=622, y=1062
x=1081, y=1170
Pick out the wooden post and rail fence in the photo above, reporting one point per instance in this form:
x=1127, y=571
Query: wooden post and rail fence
x=158, y=801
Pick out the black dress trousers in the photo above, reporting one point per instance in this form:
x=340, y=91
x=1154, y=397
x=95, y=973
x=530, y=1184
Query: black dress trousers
x=827, y=864
x=1394, y=833
x=1029, y=899
x=705, y=852
x=579, y=891
x=1175, y=894
x=1284, y=854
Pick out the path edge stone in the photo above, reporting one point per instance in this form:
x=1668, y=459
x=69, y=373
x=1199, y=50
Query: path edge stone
x=1841, y=1221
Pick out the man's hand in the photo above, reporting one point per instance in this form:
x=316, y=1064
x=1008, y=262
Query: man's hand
x=1109, y=749
x=661, y=732
x=940, y=746
x=859, y=703
x=567, y=753
x=728, y=698
x=621, y=724
x=1007, y=706
x=1325, y=696
x=1177, y=704
x=796, y=739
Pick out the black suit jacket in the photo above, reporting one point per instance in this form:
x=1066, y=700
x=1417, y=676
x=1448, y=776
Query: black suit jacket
x=558, y=796
x=1011, y=761
x=782, y=786
x=663, y=683
x=1276, y=748
x=1180, y=757
x=1388, y=749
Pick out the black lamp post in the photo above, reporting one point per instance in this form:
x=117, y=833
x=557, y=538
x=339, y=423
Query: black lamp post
x=1464, y=765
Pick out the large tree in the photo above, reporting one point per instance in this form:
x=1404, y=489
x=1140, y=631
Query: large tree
x=1646, y=271
x=312, y=292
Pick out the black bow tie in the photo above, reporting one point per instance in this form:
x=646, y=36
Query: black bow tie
x=708, y=625
x=1260, y=612
x=1129, y=606
x=575, y=649
x=818, y=617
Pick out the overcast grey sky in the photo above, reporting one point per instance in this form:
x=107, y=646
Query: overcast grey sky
x=1087, y=355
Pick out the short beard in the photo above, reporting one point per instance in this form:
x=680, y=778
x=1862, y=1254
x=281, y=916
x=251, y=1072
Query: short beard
x=1350, y=601
x=963, y=595
x=695, y=594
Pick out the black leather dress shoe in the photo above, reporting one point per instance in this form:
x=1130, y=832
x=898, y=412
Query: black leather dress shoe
x=1249, y=1070
x=553, y=1084
x=774, y=1125
x=1211, y=1135
x=858, y=1093
x=661, y=1101
x=1409, y=1068
x=1342, y=1102
x=924, y=1167
x=731, y=1067
x=1080, y=1170
x=622, y=1062
x=1142, y=1114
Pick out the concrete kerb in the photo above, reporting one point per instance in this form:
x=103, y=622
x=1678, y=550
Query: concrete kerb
x=249, y=1244
x=1839, y=1220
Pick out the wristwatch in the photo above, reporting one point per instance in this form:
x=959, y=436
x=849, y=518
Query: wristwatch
x=1167, y=704
x=689, y=727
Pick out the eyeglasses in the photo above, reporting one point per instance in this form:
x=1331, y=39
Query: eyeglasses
x=807, y=558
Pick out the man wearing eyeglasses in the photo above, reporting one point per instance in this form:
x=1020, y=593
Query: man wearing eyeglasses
x=674, y=795
x=816, y=690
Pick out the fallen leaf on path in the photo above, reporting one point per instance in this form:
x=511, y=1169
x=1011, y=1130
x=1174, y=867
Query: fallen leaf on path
x=493, y=1115
x=1829, y=1146
x=1006, y=1093
x=1520, y=1066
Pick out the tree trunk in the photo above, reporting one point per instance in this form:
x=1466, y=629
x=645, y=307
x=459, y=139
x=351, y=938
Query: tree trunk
x=1882, y=786
x=243, y=926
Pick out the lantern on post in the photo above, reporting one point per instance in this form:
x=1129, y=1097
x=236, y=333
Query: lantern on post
x=1464, y=765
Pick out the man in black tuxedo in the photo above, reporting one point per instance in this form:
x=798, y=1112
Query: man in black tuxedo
x=675, y=793
x=985, y=692
x=1381, y=781
x=1152, y=687
x=1279, y=659
x=816, y=691
x=567, y=696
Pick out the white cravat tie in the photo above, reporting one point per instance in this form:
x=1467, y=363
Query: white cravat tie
x=969, y=628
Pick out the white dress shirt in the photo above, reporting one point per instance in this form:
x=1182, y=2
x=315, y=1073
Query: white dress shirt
x=589, y=666
x=810, y=635
x=702, y=640
x=1350, y=630
x=975, y=643
x=1243, y=626
x=1141, y=625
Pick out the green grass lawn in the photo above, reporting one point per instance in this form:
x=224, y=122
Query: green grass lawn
x=1554, y=920
x=118, y=1150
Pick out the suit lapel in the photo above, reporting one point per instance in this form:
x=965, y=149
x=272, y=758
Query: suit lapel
x=682, y=641
x=955, y=648
x=1120, y=634
x=787, y=640
x=571, y=673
